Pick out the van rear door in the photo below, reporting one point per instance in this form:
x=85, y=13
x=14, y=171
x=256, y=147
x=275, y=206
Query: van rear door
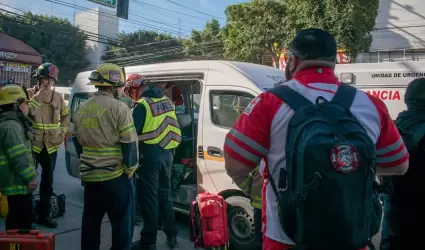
x=71, y=157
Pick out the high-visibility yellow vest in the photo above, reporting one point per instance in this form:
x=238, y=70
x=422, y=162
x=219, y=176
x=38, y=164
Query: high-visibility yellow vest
x=161, y=126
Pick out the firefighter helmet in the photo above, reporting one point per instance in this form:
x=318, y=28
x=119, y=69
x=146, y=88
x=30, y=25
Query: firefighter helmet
x=108, y=75
x=135, y=81
x=12, y=93
x=46, y=70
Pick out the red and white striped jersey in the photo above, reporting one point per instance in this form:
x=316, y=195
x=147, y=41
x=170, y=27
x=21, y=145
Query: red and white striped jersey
x=260, y=133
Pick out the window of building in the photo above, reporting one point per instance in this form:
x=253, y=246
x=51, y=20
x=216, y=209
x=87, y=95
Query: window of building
x=226, y=107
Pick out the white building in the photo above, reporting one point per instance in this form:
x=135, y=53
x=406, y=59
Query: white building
x=399, y=32
x=98, y=23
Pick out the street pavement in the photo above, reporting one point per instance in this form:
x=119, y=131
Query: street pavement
x=68, y=232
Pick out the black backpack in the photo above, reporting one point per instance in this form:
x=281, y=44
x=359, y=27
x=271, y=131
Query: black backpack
x=328, y=197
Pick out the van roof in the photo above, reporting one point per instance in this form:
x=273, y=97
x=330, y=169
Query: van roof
x=405, y=66
x=263, y=76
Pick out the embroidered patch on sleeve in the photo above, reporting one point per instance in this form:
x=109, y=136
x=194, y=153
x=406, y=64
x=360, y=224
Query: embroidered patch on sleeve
x=248, y=110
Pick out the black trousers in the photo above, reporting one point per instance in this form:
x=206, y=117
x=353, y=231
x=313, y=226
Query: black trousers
x=401, y=225
x=154, y=195
x=116, y=199
x=48, y=164
x=20, y=212
x=258, y=226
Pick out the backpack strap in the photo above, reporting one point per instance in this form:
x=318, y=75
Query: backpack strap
x=345, y=95
x=290, y=97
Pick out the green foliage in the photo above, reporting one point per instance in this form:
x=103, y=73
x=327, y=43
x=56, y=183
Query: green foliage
x=205, y=43
x=253, y=29
x=349, y=21
x=143, y=47
x=56, y=39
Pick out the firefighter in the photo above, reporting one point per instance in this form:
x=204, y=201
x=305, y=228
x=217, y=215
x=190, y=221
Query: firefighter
x=159, y=134
x=32, y=91
x=50, y=114
x=106, y=143
x=18, y=178
x=252, y=187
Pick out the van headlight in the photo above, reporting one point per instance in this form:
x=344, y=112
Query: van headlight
x=347, y=78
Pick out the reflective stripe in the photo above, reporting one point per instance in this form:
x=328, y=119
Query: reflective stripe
x=65, y=112
x=33, y=103
x=168, y=139
x=51, y=150
x=104, y=176
x=241, y=151
x=248, y=141
x=390, y=148
x=16, y=150
x=42, y=126
x=101, y=151
x=28, y=173
x=393, y=158
x=3, y=160
x=14, y=190
x=257, y=201
x=36, y=149
x=126, y=129
x=153, y=134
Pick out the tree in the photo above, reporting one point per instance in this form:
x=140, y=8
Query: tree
x=56, y=39
x=349, y=21
x=143, y=47
x=254, y=29
x=205, y=43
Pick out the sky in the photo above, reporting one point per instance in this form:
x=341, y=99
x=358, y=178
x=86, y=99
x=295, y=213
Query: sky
x=160, y=15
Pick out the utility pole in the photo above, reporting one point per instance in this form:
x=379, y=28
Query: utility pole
x=75, y=12
x=180, y=29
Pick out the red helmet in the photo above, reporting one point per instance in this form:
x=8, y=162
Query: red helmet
x=135, y=81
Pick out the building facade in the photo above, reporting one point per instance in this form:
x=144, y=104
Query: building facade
x=399, y=33
x=100, y=24
x=17, y=60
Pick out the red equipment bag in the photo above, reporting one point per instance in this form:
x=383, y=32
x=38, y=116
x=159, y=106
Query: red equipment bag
x=208, y=221
x=26, y=240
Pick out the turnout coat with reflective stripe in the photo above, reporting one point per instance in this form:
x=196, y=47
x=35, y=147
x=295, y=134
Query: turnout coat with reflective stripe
x=160, y=126
x=17, y=166
x=51, y=120
x=102, y=125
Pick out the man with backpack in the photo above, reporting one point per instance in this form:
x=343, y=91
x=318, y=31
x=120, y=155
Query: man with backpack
x=403, y=210
x=323, y=143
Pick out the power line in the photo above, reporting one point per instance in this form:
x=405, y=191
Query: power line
x=90, y=37
x=110, y=15
x=193, y=9
x=176, y=12
x=89, y=33
x=199, y=46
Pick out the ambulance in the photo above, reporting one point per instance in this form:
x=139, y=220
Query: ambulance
x=387, y=81
x=215, y=93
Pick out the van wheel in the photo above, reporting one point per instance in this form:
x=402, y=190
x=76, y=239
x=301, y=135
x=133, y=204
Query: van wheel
x=241, y=223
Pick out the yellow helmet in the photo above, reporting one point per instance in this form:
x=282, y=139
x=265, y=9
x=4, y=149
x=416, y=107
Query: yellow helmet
x=108, y=75
x=12, y=93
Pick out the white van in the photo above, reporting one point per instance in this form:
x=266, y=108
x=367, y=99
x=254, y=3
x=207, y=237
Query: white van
x=65, y=92
x=387, y=81
x=215, y=93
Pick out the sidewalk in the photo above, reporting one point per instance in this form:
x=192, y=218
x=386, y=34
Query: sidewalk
x=68, y=233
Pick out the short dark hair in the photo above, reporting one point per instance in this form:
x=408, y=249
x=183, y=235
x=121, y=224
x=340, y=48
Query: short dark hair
x=415, y=92
x=314, y=44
